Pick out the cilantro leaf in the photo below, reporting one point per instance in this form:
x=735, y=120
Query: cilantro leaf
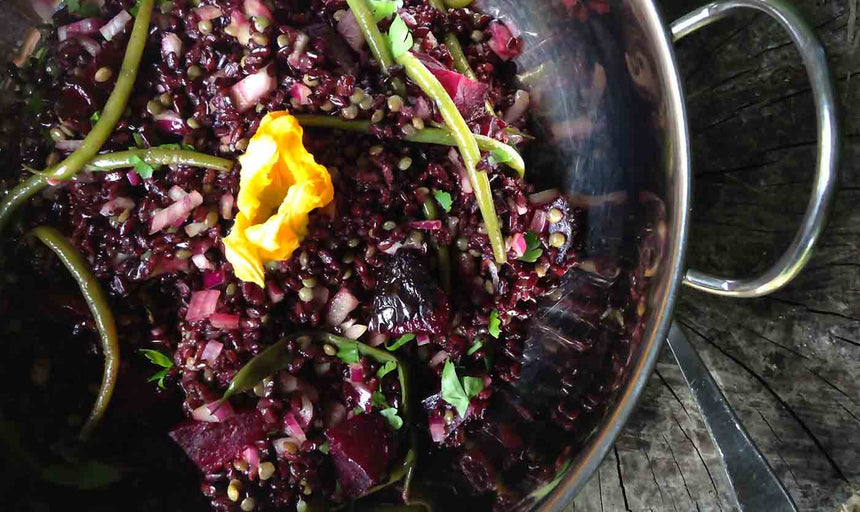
x=452, y=389
x=82, y=8
x=143, y=169
x=159, y=377
x=475, y=347
x=95, y=117
x=378, y=400
x=533, y=248
x=324, y=448
x=403, y=340
x=135, y=8
x=399, y=37
x=473, y=386
x=158, y=359
x=387, y=368
x=357, y=410
x=494, y=325
x=139, y=141
x=391, y=415
x=444, y=199
x=348, y=353
x=384, y=9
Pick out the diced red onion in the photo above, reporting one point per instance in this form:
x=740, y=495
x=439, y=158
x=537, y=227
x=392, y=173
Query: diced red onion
x=252, y=457
x=202, y=305
x=208, y=12
x=288, y=382
x=225, y=205
x=90, y=45
x=355, y=331
x=212, y=278
x=293, y=428
x=500, y=39
x=430, y=225
x=422, y=339
x=351, y=32
x=301, y=92
x=239, y=27
x=224, y=321
x=519, y=108
x=213, y=412
x=176, y=193
x=334, y=413
x=171, y=123
x=494, y=273
x=538, y=221
x=356, y=372
x=133, y=178
x=201, y=262
x=390, y=248
x=306, y=412
x=465, y=182
x=438, y=359
x=437, y=428
x=321, y=294
x=168, y=266
x=422, y=108
x=544, y=196
x=295, y=58
x=247, y=92
x=115, y=205
x=194, y=229
x=518, y=244
x=275, y=292
x=365, y=395
x=257, y=8
x=280, y=449
x=69, y=146
x=177, y=212
x=212, y=350
x=115, y=25
x=170, y=43
x=340, y=306
x=85, y=27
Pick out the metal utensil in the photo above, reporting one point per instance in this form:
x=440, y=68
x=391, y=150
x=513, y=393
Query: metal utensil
x=755, y=485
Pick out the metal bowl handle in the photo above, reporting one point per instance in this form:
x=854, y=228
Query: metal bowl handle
x=815, y=61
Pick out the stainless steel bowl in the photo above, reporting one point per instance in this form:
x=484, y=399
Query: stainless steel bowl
x=612, y=132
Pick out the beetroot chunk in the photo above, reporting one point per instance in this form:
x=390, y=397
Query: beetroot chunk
x=409, y=299
x=359, y=449
x=211, y=445
x=469, y=95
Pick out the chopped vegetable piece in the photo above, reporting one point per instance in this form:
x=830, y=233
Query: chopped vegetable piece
x=98, y=304
x=378, y=46
x=324, y=448
x=494, y=324
x=452, y=389
x=473, y=386
x=403, y=340
x=158, y=359
x=348, y=353
x=384, y=9
x=533, y=248
x=399, y=37
x=393, y=419
x=265, y=363
x=143, y=169
x=444, y=199
x=385, y=369
x=378, y=400
x=475, y=347
x=82, y=8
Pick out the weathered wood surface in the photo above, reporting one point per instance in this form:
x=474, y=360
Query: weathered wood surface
x=789, y=364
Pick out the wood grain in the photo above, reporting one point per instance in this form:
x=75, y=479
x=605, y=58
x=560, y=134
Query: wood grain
x=789, y=364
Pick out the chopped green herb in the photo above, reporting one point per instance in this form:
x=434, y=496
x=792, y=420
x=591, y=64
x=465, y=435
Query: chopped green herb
x=135, y=8
x=488, y=362
x=348, y=353
x=473, y=386
x=399, y=37
x=403, y=340
x=324, y=448
x=158, y=359
x=533, y=248
x=453, y=391
x=95, y=117
x=384, y=9
x=82, y=8
x=378, y=400
x=495, y=323
x=139, y=140
x=497, y=156
x=143, y=169
x=387, y=368
x=357, y=410
x=170, y=146
x=444, y=199
x=391, y=415
x=475, y=347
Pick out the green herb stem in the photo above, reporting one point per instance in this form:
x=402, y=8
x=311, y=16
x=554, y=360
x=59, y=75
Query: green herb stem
x=158, y=156
x=116, y=103
x=465, y=142
x=425, y=136
x=375, y=40
x=442, y=253
x=97, y=301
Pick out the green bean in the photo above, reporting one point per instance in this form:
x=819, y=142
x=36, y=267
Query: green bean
x=97, y=301
x=158, y=156
x=18, y=196
x=465, y=142
x=423, y=136
x=116, y=103
x=375, y=40
x=265, y=363
x=432, y=213
x=456, y=4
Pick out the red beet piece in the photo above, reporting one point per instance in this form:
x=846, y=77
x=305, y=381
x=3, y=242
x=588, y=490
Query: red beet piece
x=469, y=95
x=211, y=445
x=359, y=449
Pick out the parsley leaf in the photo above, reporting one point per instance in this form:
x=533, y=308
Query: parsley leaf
x=391, y=415
x=135, y=8
x=533, y=248
x=378, y=400
x=473, y=386
x=82, y=8
x=494, y=325
x=158, y=359
x=459, y=393
x=403, y=340
x=387, y=368
x=95, y=117
x=348, y=353
x=399, y=37
x=444, y=199
x=384, y=9
x=324, y=448
x=143, y=169
x=475, y=347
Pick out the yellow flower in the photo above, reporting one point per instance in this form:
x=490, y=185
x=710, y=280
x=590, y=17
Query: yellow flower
x=280, y=184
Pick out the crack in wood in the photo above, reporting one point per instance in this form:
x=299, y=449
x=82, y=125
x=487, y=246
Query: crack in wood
x=680, y=472
x=701, y=64
x=654, y=476
x=669, y=387
x=621, y=478
x=776, y=395
x=809, y=309
x=834, y=386
x=846, y=340
x=787, y=349
x=779, y=444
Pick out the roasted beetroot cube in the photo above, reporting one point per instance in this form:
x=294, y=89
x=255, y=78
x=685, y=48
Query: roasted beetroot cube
x=359, y=449
x=409, y=299
x=211, y=445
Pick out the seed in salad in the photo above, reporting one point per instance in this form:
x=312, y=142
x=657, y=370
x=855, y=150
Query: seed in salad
x=377, y=116
x=407, y=130
x=477, y=36
x=193, y=123
x=404, y=163
x=283, y=41
x=554, y=216
x=57, y=134
x=205, y=27
x=266, y=470
x=329, y=350
x=306, y=294
x=261, y=23
x=166, y=99
x=194, y=72
x=339, y=14
x=310, y=282
x=366, y=103
x=233, y=489
x=260, y=39
x=103, y=74
x=557, y=239
x=357, y=96
x=389, y=225
x=462, y=244
x=327, y=106
x=375, y=150
x=154, y=107
x=183, y=254
x=248, y=504
x=350, y=112
x=395, y=103
x=417, y=123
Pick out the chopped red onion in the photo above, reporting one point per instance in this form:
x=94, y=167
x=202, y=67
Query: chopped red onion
x=248, y=91
x=321, y=294
x=224, y=321
x=211, y=351
x=225, y=205
x=212, y=278
x=518, y=244
x=430, y=225
x=295, y=58
x=239, y=27
x=390, y=248
x=69, y=146
x=115, y=205
x=422, y=108
x=171, y=123
x=465, y=182
x=176, y=193
x=202, y=305
x=275, y=292
x=207, y=12
x=301, y=92
x=133, y=178
x=519, y=108
x=201, y=262
x=438, y=359
x=437, y=428
x=252, y=457
x=501, y=41
x=85, y=27
x=351, y=32
x=168, y=266
x=257, y=8
x=538, y=221
x=341, y=305
x=422, y=339
x=175, y=213
x=213, y=412
x=279, y=443
x=306, y=412
x=293, y=428
x=115, y=25
x=355, y=331
x=356, y=372
x=170, y=43
x=90, y=45
x=544, y=196
x=194, y=229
